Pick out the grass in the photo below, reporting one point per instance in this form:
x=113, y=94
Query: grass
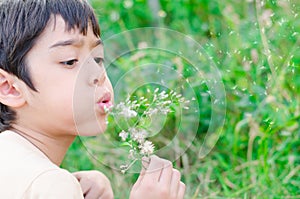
x=255, y=46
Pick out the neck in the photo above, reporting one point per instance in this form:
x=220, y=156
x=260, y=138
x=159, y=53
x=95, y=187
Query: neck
x=54, y=147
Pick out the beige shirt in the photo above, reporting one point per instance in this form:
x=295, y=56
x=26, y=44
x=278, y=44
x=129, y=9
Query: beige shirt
x=26, y=172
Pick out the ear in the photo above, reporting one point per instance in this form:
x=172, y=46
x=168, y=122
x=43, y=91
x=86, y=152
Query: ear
x=10, y=92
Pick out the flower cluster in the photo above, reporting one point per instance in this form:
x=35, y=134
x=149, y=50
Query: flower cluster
x=134, y=134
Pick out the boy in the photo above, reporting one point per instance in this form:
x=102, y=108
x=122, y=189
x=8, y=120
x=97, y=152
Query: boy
x=47, y=48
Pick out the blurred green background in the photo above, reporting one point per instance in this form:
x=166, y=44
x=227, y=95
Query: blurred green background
x=255, y=46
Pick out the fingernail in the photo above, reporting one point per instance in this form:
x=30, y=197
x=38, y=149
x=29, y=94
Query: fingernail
x=145, y=162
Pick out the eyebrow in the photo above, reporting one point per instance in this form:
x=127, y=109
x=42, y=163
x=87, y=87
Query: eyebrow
x=74, y=42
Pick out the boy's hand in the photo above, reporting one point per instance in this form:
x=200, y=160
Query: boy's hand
x=159, y=181
x=94, y=185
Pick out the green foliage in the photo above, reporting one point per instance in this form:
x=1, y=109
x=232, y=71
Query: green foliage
x=255, y=45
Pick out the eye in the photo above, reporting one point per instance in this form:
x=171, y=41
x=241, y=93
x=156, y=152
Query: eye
x=69, y=63
x=98, y=60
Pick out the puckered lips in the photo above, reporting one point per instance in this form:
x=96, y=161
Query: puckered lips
x=104, y=103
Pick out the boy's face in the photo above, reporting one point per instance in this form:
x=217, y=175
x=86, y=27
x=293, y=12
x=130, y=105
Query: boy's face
x=73, y=89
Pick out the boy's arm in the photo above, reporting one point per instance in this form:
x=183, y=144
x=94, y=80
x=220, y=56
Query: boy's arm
x=159, y=181
x=94, y=185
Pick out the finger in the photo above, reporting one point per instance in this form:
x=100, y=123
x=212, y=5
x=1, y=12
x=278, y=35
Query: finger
x=181, y=190
x=145, y=165
x=175, y=183
x=77, y=175
x=154, y=170
x=93, y=193
x=145, y=162
x=107, y=195
x=85, y=185
x=166, y=174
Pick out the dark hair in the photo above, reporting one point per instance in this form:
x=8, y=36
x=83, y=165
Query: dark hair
x=22, y=22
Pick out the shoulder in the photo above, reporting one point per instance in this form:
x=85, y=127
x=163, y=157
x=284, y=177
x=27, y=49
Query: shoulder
x=55, y=183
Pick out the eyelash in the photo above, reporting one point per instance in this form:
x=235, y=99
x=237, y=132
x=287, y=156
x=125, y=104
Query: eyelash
x=99, y=60
x=71, y=62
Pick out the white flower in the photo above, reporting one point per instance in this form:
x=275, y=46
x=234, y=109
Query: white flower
x=138, y=135
x=124, y=168
x=131, y=154
x=162, y=14
x=147, y=148
x=128, y=4
x=165, y=111
x=151, y=111
x=140, y=109
x=129, y=113
x=123, y=135
x=163, y=95
x=126, y=111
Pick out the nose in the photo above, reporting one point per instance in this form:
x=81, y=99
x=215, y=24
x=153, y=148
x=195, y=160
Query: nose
x=97, y=72
x=100, y=79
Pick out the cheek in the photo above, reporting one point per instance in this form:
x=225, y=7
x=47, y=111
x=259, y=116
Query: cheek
x=53, y=112
x=58, y=98
x=83, y=102
x=62, y=105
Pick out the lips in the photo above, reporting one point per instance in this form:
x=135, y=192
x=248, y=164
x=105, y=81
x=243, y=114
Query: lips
x=104, y=103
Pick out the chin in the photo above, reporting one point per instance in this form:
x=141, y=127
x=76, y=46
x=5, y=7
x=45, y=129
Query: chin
x=98, y=131
x=89, y=133
x=91, y=129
